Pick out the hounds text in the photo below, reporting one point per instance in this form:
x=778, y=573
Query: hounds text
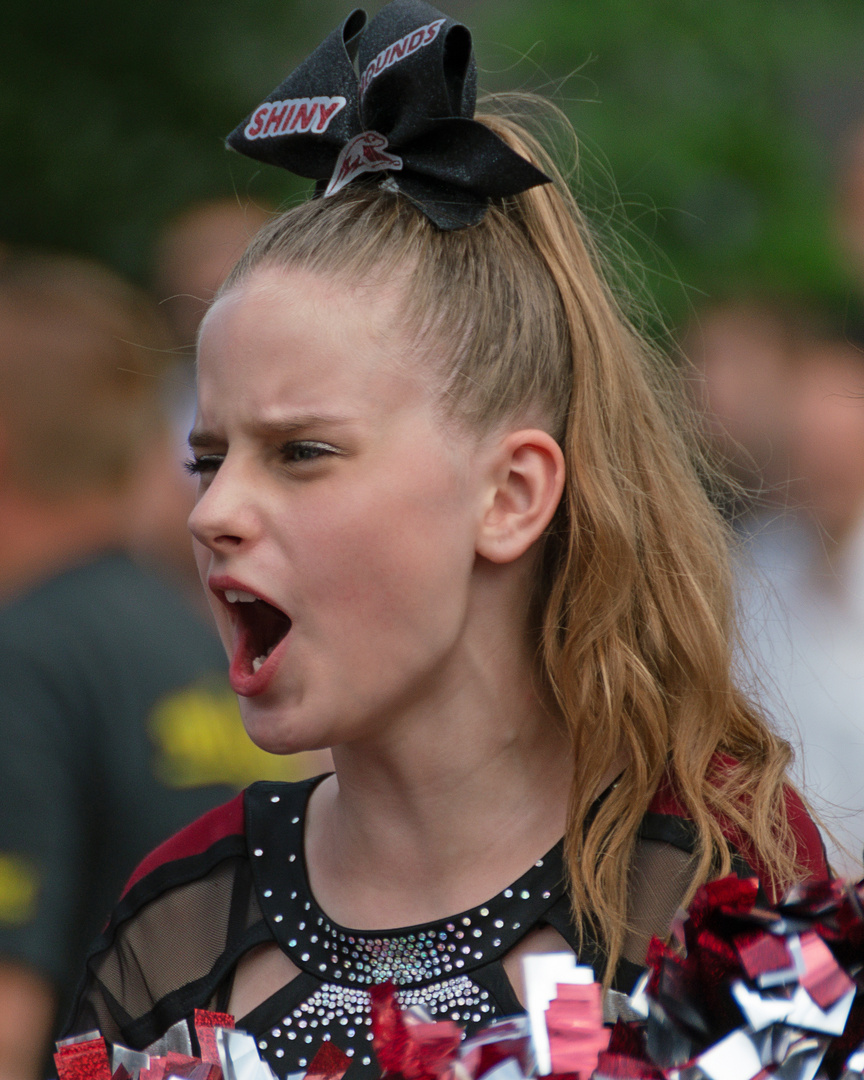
x=399, y=50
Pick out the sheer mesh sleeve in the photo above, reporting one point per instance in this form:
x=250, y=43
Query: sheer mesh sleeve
x=660, y=875
x=156, y=964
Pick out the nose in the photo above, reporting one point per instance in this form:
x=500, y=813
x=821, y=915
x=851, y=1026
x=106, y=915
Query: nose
x=224, y=517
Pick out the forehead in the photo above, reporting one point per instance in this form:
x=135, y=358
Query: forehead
x=294, y=297
x=305, y=336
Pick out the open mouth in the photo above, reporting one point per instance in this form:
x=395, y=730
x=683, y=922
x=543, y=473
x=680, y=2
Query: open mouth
x=262, y=626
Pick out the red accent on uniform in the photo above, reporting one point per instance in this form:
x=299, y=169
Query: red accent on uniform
x=216, y=824
x=811, y=850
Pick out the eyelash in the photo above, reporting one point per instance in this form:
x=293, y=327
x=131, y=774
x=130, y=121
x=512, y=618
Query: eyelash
x=211, y=462
x=203, y=464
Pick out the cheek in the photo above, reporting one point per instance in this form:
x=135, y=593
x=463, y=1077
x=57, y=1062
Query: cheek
x=399, y=554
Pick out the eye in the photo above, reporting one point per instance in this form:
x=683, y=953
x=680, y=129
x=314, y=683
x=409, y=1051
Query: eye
x=206, y=463
x=300, y=450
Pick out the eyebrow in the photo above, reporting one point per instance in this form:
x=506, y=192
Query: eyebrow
x=275, y=428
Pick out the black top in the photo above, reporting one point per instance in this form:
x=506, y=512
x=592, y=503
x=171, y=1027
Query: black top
x=102, y=671
x=451, y=967
x=237, y=879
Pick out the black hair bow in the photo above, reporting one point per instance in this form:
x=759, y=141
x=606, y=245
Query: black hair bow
x=409, y=115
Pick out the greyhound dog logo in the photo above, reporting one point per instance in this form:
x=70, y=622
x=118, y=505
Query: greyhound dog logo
x=366, y=152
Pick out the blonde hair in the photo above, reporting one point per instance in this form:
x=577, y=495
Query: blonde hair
x=83, y=360
x=635, y=583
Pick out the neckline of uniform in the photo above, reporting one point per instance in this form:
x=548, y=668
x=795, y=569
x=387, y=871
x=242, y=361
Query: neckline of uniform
x=410, y=955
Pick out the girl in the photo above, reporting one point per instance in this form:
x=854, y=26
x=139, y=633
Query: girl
x=450, y=527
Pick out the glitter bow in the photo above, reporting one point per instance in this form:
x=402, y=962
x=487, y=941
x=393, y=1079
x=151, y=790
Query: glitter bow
x=403, y=115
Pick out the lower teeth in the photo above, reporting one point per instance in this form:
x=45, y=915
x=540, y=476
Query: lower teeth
x=259, y=660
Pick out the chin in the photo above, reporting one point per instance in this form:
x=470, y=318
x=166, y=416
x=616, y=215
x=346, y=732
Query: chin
x=271, y=731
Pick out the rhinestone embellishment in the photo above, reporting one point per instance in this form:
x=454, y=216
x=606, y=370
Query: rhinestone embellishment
x=345, y=1011
x=432, y=965
x=351, y=961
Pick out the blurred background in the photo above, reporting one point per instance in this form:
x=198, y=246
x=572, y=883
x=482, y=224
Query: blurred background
x=721, y=155
x=723, y=128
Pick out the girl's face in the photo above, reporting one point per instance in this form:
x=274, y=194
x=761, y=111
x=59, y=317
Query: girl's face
x=337, y=514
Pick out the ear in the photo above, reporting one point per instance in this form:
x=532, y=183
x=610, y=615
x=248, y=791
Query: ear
x=526, y=479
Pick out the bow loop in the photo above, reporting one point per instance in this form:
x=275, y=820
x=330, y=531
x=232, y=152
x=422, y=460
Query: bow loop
x=460, y=71
x=411, y=45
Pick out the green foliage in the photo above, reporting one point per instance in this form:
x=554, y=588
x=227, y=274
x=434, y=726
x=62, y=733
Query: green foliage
x=718, y=122
x=118, y=115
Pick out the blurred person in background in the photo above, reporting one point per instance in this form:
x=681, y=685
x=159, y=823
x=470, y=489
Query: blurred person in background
x=193, y=253
x=849, y=200
x=741, y=352
x=802, y=590
x=117, y=722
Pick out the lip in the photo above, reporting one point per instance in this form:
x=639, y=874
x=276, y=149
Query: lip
x=243, y=680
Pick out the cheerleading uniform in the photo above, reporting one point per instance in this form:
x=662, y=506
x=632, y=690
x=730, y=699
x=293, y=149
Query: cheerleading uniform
x=236, y=879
